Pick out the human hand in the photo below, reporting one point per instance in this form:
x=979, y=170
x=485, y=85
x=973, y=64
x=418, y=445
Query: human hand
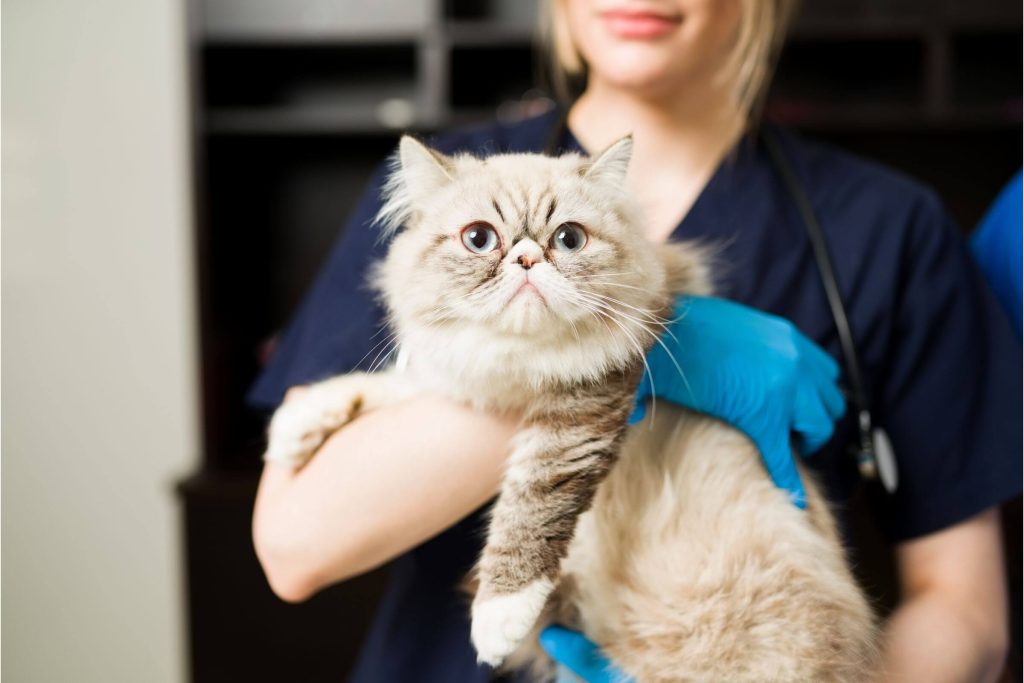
x=753, y=370
x=580, y=655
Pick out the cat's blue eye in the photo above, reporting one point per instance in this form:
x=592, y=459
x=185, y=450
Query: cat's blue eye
x=480, y=238
x=569, y=238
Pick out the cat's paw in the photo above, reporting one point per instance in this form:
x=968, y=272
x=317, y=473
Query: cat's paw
x=299, y=427
x=500, y=622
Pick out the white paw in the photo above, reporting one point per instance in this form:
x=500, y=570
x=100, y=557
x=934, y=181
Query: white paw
x=500, y=622
x=294, y=435
x=299, y=427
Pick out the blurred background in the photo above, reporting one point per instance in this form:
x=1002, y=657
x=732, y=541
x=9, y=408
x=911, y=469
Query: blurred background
x=174, y=173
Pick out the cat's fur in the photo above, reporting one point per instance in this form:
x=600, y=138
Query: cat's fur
x=683, y=561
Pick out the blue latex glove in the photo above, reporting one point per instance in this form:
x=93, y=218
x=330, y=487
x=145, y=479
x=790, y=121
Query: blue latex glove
x=753, y=370
x=580, y=655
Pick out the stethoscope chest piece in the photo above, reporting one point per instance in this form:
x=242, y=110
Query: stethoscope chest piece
x=885, y=459
x=876, y=459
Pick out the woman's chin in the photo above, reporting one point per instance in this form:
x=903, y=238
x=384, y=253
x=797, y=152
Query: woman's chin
x=642, y=75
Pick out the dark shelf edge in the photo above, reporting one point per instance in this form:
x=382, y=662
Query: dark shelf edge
x=487, y=34
x=828, y=116
x=283, y=122
x=311, y=39
x=813, y=116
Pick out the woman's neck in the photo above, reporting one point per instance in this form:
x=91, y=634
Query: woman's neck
x=702, y=125
x=678, y=143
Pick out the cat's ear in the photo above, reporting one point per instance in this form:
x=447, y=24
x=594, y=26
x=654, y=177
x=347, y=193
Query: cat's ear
x=416, y=172
x=424, y=169
x=612, y=164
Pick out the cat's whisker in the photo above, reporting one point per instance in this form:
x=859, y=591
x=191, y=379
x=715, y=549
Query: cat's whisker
x=384, y=347
x=603, y=277
x=575, y=332
x=462, y=298
x=389, y=338
x=562, y=289
x=605, y=312
x=606, y=280
x=382, y=330
x=643, y=358
x=612, y=274
x=656, y=338
x=653, y=314
x=637, y=319
x=651, y=318
x=446, y=310
x=612, y=283
x=585, y=297
x=441, y=315
x=647, y=311
x=647, y=320
x=387, y=358
x=383, y=355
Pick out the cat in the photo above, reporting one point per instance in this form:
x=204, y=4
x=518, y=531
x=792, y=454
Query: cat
x=523, y=284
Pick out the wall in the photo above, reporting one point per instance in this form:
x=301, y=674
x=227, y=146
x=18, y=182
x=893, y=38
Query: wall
x=99, y=380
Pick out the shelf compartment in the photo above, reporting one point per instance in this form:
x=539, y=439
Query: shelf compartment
x=511, y=14
x=314, y=19
x=987, y=69
x=251, y=76
x=367, y=118
x=487, y=34
x=482, y=78
x=852, y=73
x=310, y=89
x=273, y=211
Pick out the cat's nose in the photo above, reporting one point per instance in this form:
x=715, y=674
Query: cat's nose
x=526, y=253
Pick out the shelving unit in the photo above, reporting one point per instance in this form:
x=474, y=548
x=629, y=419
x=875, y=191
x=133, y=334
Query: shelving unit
x=295, y=102
x=910, y=60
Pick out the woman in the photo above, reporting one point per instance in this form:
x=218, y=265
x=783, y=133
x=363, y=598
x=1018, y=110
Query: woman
x=940, y=362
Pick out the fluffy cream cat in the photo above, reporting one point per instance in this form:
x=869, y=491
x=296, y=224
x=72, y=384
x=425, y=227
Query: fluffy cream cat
x=522, y=283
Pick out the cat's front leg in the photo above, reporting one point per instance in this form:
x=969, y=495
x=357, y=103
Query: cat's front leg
x=302, y=424
x=558, y=460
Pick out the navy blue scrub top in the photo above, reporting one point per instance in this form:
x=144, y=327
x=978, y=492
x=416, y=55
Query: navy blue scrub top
x=941, y=364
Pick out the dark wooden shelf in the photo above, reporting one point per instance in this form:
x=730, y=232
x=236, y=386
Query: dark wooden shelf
x=319, y=39
x=487, y=34
x=871, y=28
x=302, y=121
x=813, y=115
x=891, y=117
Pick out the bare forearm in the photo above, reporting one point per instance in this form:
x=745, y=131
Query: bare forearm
x=385, y=483
x=931, y=640
x=952, y=626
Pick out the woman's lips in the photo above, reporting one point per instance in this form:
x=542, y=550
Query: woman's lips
x=627, y=24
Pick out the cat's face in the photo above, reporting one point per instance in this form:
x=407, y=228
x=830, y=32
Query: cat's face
x=519, y=244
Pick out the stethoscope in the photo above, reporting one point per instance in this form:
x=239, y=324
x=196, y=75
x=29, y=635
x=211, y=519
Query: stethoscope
x=873, y=450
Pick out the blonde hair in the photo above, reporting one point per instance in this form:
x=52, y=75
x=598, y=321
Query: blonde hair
x=759, y=39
